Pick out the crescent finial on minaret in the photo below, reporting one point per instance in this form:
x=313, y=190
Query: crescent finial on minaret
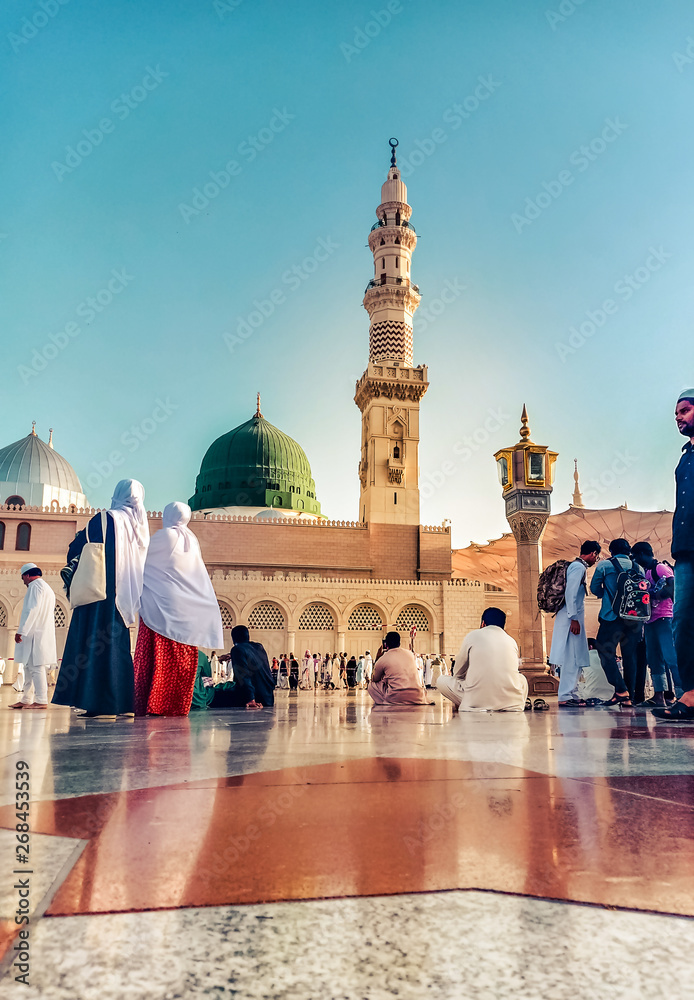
x=393, y=143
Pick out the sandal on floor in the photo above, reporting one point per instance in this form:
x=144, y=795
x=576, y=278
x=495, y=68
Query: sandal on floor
x=619, y=700
x=528, y=705
x=571, y=704
x=540, y=705
x=592, y=702
x=650, y=703
x=675, y=713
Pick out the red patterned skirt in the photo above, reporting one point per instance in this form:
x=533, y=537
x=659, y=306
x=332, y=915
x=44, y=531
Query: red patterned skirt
x=164, y=674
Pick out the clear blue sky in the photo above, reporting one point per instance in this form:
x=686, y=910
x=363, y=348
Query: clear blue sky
x=205, y=84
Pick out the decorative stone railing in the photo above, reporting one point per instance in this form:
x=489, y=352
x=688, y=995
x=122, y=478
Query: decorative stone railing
x=440, y=529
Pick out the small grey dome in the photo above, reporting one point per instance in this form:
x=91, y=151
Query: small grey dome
x=31, y=460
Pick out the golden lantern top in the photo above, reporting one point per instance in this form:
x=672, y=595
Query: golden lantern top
x=526, y=465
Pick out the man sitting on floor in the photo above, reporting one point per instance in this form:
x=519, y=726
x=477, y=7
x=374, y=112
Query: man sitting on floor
x=395, y=679
x=253, y=684
x=485, y=677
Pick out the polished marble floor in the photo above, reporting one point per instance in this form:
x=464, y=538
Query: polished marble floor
x=326, y=849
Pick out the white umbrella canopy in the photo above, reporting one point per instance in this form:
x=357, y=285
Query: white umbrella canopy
x=495, y=562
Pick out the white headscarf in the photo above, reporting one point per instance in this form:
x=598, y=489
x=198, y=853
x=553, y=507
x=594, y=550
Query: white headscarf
x=132, y=538
x=178, y=599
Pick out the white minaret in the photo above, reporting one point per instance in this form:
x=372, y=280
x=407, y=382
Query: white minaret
x=389, y=391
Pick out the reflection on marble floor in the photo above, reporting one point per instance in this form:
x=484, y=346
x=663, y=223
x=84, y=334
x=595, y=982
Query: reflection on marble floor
x=72, y=756
x=445, y=946
x=556, y=805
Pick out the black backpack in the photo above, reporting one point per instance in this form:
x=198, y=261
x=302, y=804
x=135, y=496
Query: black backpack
x=631, y=601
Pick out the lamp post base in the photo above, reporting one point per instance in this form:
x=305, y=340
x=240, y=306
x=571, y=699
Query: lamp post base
x=540, y=681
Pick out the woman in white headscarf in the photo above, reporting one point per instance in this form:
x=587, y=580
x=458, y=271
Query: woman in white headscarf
x=179, y=612
x=96, y=673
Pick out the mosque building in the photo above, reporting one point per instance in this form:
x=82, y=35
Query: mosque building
x=298, y=580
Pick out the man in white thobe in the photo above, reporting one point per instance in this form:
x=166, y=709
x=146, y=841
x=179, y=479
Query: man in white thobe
x=486, y=676
x=368, y=667
x=36, y=638
x=593, y=683
x=569, y=642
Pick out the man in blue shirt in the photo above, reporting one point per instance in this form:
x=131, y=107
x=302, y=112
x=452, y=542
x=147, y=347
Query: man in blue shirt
x=683, y=554
x=613, y=630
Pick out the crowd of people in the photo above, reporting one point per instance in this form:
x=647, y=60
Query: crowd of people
x=116, y=577
x=636, y=594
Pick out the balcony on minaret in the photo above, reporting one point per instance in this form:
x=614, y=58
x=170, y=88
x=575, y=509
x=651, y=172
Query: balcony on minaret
x=386, y=279
x=396, y=465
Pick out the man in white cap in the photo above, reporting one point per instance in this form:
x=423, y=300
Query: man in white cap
x=36, y=638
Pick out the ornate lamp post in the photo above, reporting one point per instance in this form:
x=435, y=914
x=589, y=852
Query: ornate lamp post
x=526, y=472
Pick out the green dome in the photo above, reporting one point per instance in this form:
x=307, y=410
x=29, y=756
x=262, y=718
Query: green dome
x=255, y=465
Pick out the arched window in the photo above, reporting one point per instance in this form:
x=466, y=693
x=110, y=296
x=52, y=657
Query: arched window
x=364, y=617
x=411, y=615
x=15, y=500
x=227, y=616
x=55, y=505
x=266, y=617
x=316, y=618
x=2, y=534
x=23, y=537
x=277, y=501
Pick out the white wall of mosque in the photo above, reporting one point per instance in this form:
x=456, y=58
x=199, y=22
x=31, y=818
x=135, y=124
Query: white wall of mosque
x=42, y=495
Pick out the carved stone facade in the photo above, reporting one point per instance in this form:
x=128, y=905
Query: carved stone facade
x=286, y=579
x=528, y=527
x=319, y=600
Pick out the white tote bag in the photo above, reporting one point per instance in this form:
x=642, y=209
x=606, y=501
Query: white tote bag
x=89, y=580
